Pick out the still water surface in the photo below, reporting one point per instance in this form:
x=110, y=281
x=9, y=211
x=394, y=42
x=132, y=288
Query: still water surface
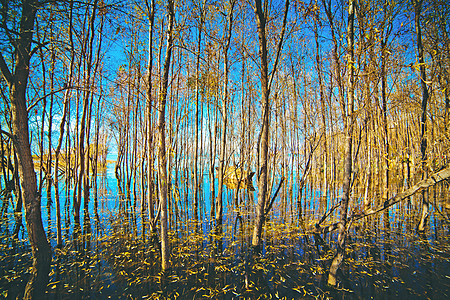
x=116, y=257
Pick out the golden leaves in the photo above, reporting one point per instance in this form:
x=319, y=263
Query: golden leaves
x=235, y=177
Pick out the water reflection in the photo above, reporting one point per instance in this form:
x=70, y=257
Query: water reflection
x=112, y=252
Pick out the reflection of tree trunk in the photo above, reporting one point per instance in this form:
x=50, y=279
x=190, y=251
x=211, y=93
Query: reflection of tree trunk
x=348, y=122
x=423, y=120
x=17, y=82
x=162, y=158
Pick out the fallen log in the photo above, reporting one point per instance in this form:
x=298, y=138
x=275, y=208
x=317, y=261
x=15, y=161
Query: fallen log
x=421, y=185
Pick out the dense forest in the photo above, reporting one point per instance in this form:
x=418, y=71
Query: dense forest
x=232, y=149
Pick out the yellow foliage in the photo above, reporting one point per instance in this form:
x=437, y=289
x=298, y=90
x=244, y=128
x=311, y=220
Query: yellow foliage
x=234, y=177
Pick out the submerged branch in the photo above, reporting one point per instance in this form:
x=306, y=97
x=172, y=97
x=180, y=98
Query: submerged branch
x=274, y=196
x=325, y=216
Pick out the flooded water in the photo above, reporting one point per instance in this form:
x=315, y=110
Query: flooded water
x=116, y=256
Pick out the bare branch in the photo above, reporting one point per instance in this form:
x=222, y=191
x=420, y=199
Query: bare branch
x=5, y=70
x=49, y=94
x=280, y=44
x=274, y=196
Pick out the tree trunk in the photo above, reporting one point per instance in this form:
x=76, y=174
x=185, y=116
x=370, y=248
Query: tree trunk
x=162, y=159
x=423, y=120
x=348, y=127
x=197, y=112
x=264, y=142
x=17, y=82
x=323, y=110
x=222, y=165
x=149, y=132
x=57, y=151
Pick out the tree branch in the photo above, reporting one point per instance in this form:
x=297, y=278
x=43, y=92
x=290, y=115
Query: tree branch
x=280, y=44
x=274, y=196
x=6, y=133
x=49, y=94
x=5, y=70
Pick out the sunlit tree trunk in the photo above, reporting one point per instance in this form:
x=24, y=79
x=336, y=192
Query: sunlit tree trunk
x=264, y=142
x=149, y=131
x=17, y=82
x=264, y=136
x=423, y=119
x=222, y=162
x=348, y=127
x=323, y=109
x=162, y=158
x=197, y=110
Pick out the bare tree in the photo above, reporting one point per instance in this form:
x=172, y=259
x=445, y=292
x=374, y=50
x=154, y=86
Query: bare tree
x=222, y=164
x=162, y=158
x=423, y=119
x=17, y=79
x=348, y=127
x=261, y=20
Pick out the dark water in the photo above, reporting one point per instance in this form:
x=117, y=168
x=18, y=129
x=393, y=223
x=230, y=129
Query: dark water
x=116, y=257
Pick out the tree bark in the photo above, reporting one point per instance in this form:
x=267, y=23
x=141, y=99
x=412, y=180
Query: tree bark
x=222, y=165
x=348, y=127
x=264, y=136
x=162, y=158
x=423, y=119
x=149, y=133
x=264, y=142
x=17, y=82
x=197, y=112
x=323, y=109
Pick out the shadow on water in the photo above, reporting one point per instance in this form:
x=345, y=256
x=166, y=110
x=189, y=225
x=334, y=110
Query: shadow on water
x=112, y=255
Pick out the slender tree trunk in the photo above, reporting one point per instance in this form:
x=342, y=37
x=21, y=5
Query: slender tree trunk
x=264, y=137
x=197, y=112
x=85, y=117
x=149, y=137
x=323, y=110
x=48, y=178
x=162, y=158
x=348, y=127
x=423, y=119
x=61, y=135
x=264, y=142
x=222, y=164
